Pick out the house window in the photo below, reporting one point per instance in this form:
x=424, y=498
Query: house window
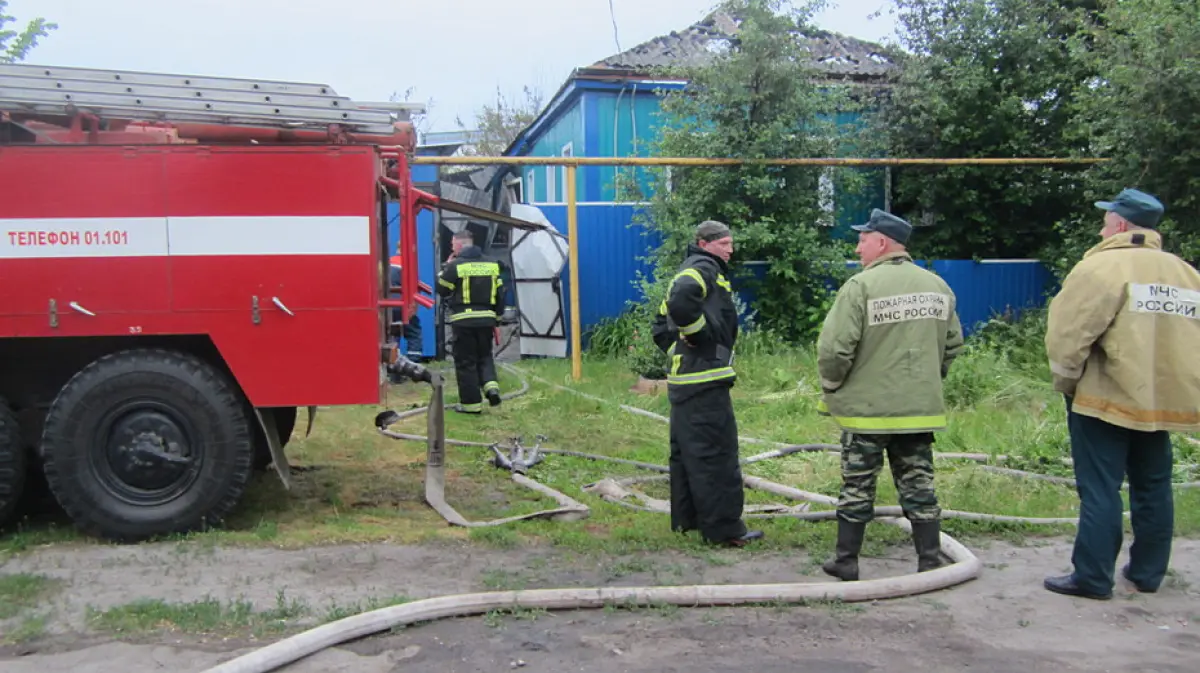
x=825, y=197
x=568, y=150
x=528, y=192
x=552, y=184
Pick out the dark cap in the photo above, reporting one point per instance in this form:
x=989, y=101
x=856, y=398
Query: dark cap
x=711, y=230
x=1136, y=206
x=887, y=224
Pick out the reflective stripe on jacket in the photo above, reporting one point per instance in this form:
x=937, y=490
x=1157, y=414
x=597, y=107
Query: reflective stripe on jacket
x=1122, y=335
x=885, y=347
x=696, y=325
x=472, y=287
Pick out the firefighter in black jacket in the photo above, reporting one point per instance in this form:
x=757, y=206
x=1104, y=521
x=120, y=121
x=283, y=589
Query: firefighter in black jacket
x=471, y=284
x=697, y=326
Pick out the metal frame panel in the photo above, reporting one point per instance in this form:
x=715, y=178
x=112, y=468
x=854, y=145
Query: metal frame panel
x=158, y=97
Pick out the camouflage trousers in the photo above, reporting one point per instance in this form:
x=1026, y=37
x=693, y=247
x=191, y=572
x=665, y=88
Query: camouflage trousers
x=911, y=460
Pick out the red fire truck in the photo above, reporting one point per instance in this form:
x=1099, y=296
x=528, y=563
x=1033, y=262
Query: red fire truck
x=186, y=262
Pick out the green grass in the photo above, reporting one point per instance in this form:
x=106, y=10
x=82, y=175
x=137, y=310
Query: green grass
x=208, y=616
x=27, y=628
x=352, y=485
x=21, y=598
x=22, y=591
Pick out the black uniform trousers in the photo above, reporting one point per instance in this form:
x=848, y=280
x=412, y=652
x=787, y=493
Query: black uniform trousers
x=1104, y=454
x=474, y=367
x=706, y=479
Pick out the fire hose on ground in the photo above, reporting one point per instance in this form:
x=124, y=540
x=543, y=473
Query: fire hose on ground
x=964, y=566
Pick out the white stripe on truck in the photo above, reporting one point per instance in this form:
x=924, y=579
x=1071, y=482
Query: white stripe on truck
x=50, y=238
x=83, y=237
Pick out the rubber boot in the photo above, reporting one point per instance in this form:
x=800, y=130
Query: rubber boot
x=927, y=540
x=844, y=565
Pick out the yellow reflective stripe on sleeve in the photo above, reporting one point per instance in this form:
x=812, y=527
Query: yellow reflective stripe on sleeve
x=676, y=363
x=445, y=283
x=688, y=330
x=662, y=308
x=705, y=376
x=724, y=283
x=472, y=313
x=694, y=275
x=495, y=288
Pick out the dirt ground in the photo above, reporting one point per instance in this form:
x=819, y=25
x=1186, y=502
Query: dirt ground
x=1003, y=621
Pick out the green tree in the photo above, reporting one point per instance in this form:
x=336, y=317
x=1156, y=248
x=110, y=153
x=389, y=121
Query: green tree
x=16, y=45
x=499, y=125
x=995, y=79
x=759, y=98
x=1142, y=112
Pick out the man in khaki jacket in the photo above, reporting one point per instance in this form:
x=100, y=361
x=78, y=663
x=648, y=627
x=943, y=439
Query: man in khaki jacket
x=1120, y=341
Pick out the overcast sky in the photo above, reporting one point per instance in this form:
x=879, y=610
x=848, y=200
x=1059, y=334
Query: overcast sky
x=452, y=53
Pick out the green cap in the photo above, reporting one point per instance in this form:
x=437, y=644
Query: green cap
x=887, y=224
x=1136, y=206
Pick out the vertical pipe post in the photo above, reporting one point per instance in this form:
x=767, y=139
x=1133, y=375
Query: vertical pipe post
x=407, y=245
x=573, y=247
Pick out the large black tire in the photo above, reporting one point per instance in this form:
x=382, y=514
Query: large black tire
x=146, y=443
x=12, y=463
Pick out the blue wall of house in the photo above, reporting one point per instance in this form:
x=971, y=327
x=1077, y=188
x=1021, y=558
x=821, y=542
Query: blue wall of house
x=564, y=136
x=608, y=259
x=619, y=123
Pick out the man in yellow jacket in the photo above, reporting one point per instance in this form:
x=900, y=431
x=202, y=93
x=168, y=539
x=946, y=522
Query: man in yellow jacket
x=1120, y=340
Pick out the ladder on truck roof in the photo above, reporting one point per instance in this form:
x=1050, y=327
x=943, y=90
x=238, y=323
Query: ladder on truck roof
x=155, y=97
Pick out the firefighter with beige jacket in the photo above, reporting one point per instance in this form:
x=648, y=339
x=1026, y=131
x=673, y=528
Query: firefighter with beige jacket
x=1121, y=339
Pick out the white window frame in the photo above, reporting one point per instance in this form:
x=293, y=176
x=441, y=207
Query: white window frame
x=826, y=199
x=567, y=150
x=529, y=193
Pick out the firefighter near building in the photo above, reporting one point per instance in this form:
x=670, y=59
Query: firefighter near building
x=472, y=287
x=172, y=246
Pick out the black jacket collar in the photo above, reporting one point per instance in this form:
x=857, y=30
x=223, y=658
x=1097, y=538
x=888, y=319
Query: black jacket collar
x=470, y=252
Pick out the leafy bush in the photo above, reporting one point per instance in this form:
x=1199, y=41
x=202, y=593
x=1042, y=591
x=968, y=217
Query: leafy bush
x=627, y=337
x=759, y=98
x=1021, y=341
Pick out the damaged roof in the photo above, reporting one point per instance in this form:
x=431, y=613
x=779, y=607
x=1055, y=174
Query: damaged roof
x=838, y=56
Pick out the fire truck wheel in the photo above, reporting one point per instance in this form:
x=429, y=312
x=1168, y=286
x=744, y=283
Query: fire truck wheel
x=145, y=443
x=12, y=463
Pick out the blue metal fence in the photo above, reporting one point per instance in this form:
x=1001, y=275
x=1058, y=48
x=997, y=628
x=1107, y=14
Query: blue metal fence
x=609, y=264
x=983, y=289
x=609, y=251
